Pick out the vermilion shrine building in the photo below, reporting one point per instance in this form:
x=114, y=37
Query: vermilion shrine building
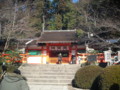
x=46, y=48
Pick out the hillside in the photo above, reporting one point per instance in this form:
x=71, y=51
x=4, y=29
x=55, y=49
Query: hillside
x=23, y=19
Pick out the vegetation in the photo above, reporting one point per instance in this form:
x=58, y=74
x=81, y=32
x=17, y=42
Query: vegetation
x=10, y=68
x=10, y=57
x=85, y=76
x=109, y=79
x=21, y=19
x=12, y=60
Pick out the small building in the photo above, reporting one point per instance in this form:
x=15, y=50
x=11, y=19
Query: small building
x=46, y=49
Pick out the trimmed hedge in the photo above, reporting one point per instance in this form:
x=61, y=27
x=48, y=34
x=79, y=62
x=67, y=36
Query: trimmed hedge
x=85, y=76
x=110, y=78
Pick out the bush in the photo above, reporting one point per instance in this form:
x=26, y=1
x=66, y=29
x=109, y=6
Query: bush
x=110, y=78
x=85, y=76
x=10, y=68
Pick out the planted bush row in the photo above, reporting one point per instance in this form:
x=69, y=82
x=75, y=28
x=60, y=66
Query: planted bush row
x=97, y=78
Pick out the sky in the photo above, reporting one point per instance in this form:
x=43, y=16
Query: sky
x=74, y=1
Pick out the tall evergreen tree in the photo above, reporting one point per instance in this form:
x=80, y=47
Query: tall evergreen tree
x=59, y=14
x=37, y=17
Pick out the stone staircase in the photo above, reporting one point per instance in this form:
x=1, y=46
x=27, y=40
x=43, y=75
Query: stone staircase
x=49, y=74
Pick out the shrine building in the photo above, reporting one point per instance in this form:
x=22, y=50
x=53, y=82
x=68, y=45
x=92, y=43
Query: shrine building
x=45, y=50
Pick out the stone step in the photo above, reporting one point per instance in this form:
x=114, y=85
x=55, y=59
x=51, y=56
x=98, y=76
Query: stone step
x=51, y=66
x=45, y=79
x=54, y=68
x=50, y=71
x=51, y=76
x=47, y=73
x=47, y=83
x=50, y=81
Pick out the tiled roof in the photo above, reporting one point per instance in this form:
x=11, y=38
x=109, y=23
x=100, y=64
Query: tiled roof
x=58, y=36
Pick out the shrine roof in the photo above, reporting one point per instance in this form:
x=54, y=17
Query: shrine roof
x=58, y=36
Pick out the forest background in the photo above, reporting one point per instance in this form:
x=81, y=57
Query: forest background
x=96, y=21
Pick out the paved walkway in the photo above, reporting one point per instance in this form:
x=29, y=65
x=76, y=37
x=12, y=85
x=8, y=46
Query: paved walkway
x=52, y=87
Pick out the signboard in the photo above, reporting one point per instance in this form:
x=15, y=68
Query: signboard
x=92, y=58
x=118, y=55
x=73, y=52
x=59, y=48
x=107, y=55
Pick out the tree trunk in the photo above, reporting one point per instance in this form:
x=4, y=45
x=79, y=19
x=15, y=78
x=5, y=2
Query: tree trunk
x=0, y=31
x=13, y=24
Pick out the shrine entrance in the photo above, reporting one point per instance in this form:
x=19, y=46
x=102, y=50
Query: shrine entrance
x=50, y=45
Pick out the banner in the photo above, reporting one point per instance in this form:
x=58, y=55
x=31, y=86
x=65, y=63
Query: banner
x=107, y=55
x=118, y=55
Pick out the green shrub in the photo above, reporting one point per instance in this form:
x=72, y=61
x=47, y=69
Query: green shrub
x=110, y=78
x=85, y=76
x=10, y=68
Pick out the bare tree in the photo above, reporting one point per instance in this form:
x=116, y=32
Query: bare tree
x=13, y=24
